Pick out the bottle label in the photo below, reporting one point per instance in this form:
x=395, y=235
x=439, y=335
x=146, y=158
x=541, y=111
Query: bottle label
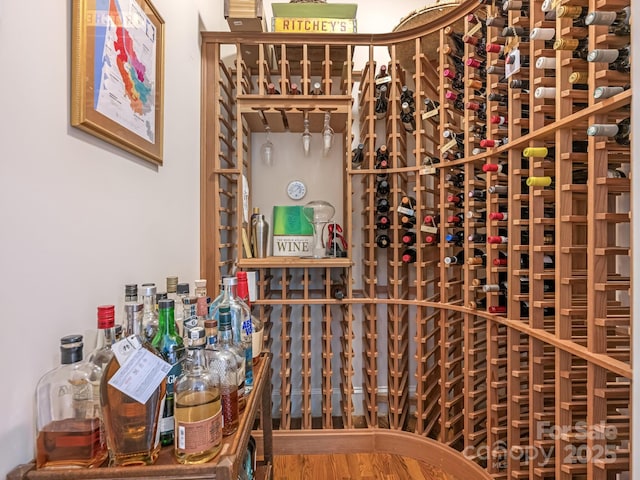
x=194, y=437
x=406, y=211
x=141, y=375
x=166, y=423
x=125, y=348
x=247, y=330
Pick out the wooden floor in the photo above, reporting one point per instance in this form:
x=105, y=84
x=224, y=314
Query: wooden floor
x=357, y=466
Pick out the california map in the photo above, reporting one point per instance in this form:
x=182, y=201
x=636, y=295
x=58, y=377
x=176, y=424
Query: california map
x=125, y=69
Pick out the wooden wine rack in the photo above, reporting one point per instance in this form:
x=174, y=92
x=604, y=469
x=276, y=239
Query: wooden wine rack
x=540, y=389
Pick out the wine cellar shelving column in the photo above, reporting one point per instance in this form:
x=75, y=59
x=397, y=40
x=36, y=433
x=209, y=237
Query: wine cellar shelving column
x=518, y=289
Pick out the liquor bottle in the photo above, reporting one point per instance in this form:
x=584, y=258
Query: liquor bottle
x=223, y=364
x=409, y=255
x=620, y=132
x=272, y=90
x=172, y=294
x=240, y=314
x=431, y=106
x=102, y=354
x=131, y=427
x=182, y=292
x=456, y=238
x=189, y=316
x=150, y=314
x=409, y=238
x=383, y=222
x=382, y=104
x=383, y=240
x=256, y=325
x=170, y=345
x=357, y=156
x=198, y=411
x=579, y=47
x=159, y=296
x=69, y=433
x=407, y=118
x=618, y=22
x=294, y=90
x=457, y=259
x=131, y=292
x=618, y=59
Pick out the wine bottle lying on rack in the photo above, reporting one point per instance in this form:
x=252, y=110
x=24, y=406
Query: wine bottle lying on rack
x=620, y=132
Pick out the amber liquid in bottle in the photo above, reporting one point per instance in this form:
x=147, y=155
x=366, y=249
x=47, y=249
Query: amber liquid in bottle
x=198, y=411
x=71, y=443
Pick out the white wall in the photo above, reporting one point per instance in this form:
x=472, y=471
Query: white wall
x=80, y=218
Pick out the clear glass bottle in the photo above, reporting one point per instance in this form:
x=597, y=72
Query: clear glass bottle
x=102, y=354
x=257, y=327
x=69, y=433
x=150, y=315
x=189, y=316
x=170, y=345
x=131, y=427
x=222, y=362
x=198, y=410
x=182, y=292
x=131, y=292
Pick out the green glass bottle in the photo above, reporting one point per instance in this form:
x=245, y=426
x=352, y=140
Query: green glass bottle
x=171, y=346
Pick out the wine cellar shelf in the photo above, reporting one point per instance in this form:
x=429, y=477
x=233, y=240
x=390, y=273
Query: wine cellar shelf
x=497, y=321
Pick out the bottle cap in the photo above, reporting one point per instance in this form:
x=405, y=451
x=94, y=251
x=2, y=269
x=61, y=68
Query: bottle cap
x=71, y=349
x=241, y=275
x=600, y=18
x=542, y=34
x=602, y=129
x=190, y=300
x=161, y=296
x=545, y=92
x=131, y=289
x=579, y=77
x=201, y=283
x=148, y=290
x=132, y=307
x=539, y=152
x=472, y=62
x=546, y=62
x=172, y=284
x=166, y=303
x=606, y=92
x=71, y=340
x=196, y=337
x=566, y=44
x=538, y=181
x=494, y=48
x=106, y=316
x=182, y=289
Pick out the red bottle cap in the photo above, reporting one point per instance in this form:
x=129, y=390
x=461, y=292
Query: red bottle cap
x=486, y=143
x=497, y=216
x=496, y=239
x=497, y=309
x=449, y=95
x=491, y=167
x=500, y=262
x=472, y=106
x=471, y=18
x=106, y=316
x=406, y=258
x=430, y=239
x=470, y=39
x=406, y=239
x=493, y=48
x=498, y=119
x=429, y=219
x=453, y=198
x=472, y=62
x=448, y=73
x=453, y=219
x=384, y=220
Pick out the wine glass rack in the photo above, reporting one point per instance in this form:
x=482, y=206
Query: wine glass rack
x=518, y=353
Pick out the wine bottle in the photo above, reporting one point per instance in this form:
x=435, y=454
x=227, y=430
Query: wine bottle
x=317, y=89
x=407, y=205
x=431, y=238
x=383, y=222
x=478, y=108
x=479, y=258
x=272, y=90
x=499, y=189
x=620, y=132
x=456, y=200
x=457, y=82
x=357, y=156
x=548, y=63
x=500, y=260
x=457, y=259
x=382, y=187
x=455, y=37
x=477, y=238
x=498, y=119
x=406, y=96
x=383, y=240
x=495, y=21
x=409, y=255
x=382, y=205
x=579, y=80
x=499, y=216
x=497, y=239
x=476, y=194
x=478, y=87
x=493, y=142
x=451, y=135
x=457, y=99
x=382, y=104
x=498, y=97
x=518, y=84
x=495, y=168
x=495, y=287
x=608, y=92
x=409, y=238
x=408, y=221
x=407, y=118
x=431, y=106
x=545, y=34
x=496, y=48
x=382, y=157
x=456, y=238
x=545, y=92
x=456, y=219
x=577, y=146
x=515, y=31
x=382, y=79
x=294, y=90
x=618, y=22
x=431, y=221
x=576, y=13
x=478, y=216
x=579, y=47
x=618, y=59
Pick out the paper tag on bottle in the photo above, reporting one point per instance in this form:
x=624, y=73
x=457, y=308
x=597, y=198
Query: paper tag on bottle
x=428, y=170
x=428, y=229
x=381, y=80
x=450, y=144
x=430, y=113
x=514, y=66
x=406, y=211
x=125, y=348
x=140, y=375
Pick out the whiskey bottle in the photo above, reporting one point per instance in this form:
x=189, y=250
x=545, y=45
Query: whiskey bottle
x=222, y=363
x=198, y=410
x=69, y=433
x=131, y=427
x=169, y=344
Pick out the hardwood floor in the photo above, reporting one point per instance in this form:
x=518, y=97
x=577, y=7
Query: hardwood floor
x=357, y=466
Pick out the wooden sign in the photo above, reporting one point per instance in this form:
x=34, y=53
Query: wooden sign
x=314, y=25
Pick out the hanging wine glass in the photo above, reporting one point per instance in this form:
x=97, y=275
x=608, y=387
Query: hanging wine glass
x=267, y=149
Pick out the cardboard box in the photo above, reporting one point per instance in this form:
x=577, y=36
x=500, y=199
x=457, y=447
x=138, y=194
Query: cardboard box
x=292, y=232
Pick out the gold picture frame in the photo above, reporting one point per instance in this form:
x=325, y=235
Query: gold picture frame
x=117, y=74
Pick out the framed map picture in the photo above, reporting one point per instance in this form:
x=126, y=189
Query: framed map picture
x=117, y=74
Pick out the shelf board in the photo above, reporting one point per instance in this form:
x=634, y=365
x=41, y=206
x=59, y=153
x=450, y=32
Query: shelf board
x=294, y=262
